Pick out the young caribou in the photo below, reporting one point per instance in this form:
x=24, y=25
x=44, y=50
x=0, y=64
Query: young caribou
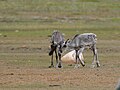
x=57, y=42
x=82, y=41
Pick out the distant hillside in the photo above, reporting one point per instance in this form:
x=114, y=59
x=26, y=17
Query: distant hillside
x=74, y=15
x=35, y=9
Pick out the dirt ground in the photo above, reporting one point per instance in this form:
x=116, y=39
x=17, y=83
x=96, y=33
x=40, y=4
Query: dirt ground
x=67, y=78
x=84, y=78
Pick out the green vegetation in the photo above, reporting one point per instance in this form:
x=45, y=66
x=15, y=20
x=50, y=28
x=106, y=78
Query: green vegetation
x=41, y=17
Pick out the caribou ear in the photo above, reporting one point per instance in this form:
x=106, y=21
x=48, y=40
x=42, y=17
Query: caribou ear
x=66, y=41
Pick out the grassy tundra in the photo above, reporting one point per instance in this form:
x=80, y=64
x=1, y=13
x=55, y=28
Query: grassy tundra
x=25, y=27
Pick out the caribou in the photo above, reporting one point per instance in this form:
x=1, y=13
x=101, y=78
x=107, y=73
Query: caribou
x=82, y=41
x=57, y=43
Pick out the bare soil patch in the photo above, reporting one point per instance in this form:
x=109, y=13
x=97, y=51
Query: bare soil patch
x=84, y=78
x=99, y=78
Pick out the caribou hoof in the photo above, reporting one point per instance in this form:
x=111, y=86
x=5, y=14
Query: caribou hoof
x=98, y=65
x=83, y=65
x=51, y=66
x=59, y=66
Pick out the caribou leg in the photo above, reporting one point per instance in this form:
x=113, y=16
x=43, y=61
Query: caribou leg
x=53, y=48
x=59, y=65
x=76, y=62
x=52, y=65
x=81, y=61
x=56, y=56
x=95, y=57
